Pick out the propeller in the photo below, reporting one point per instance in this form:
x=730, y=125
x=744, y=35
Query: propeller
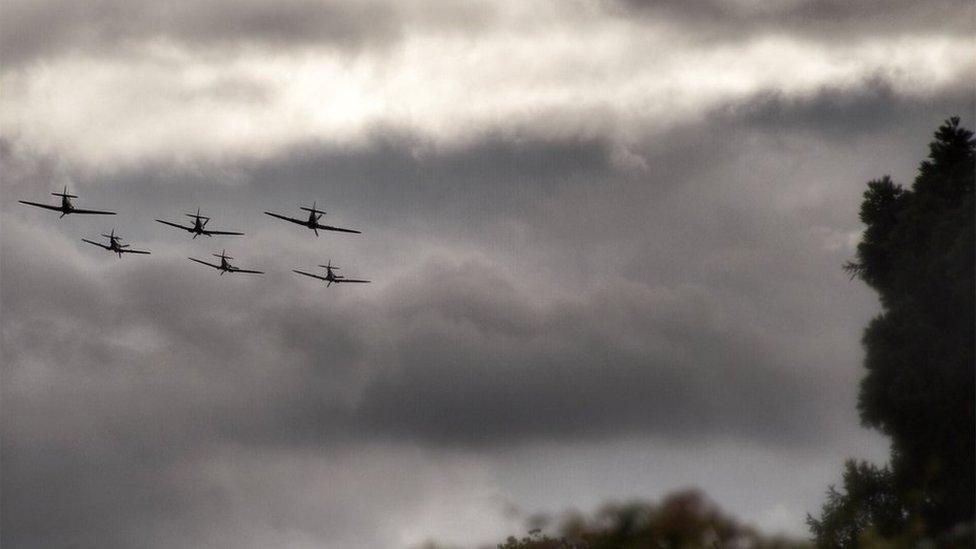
x=223, y=255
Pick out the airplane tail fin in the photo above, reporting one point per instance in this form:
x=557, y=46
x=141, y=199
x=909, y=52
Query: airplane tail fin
x=64, y=193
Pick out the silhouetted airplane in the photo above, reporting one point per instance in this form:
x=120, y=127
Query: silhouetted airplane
x=225, y=266
x=115, y=245
x=330, y=276
x=66, y=206
x=199, y=222
x=313, y=221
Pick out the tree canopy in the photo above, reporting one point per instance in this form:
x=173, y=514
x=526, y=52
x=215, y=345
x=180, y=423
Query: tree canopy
x=682, y=520
x=918, y=253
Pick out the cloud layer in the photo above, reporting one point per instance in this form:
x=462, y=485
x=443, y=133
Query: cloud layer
x=605, y=238
x=311, y=70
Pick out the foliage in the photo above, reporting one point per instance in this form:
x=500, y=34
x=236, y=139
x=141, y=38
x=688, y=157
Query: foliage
x=867, y=506
x=682, y=520
x=918, y=253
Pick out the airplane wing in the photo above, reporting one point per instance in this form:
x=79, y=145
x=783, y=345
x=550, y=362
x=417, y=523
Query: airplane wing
x=344, y=280
x=95, y=212
x=39, y=205
x=177, y=225
x=205, y=263
x=134, y=251
x=310, y=274
x=96, y=243
x=341, y=230
x=206, y=232
x=247, y=271
x=293, y=220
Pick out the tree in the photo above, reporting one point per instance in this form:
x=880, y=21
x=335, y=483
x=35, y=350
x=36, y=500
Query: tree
x=682, y=520
x=918, y=253
x=868, y=505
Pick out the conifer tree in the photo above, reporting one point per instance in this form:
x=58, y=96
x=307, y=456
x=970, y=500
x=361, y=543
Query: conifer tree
x=918, y=253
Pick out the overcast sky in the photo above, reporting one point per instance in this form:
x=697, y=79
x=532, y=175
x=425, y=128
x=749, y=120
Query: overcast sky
x=605, y=239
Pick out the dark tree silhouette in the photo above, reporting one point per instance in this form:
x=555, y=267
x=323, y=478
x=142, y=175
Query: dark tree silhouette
x=868, y=504
x=918, y=253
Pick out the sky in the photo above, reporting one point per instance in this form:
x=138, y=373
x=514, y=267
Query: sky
x=605, y=239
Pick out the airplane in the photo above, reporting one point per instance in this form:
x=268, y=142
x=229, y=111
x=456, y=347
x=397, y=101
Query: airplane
x=115, y=245
x=66, y=206
x=199, y=222
x=225, y=266
x=313, y=221
x=330, y=276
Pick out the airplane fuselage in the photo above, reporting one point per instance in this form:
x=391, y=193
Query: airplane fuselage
x=197, y=228
x=226, y=267
x=330, y=276
x=66, y=206
x=114, y=246
x=313, y=221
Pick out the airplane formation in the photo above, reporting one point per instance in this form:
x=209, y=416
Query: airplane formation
x=199, y=228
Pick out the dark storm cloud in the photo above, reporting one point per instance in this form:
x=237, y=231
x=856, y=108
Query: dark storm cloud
x=33, y=29
x=871, y=107
x=478, y=365
x=817, y=19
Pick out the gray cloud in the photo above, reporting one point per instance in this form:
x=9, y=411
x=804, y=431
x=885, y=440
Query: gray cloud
x=870, y=108
x=815, y=19
x=119, y=391
x=479, y=366
x=36, y=29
